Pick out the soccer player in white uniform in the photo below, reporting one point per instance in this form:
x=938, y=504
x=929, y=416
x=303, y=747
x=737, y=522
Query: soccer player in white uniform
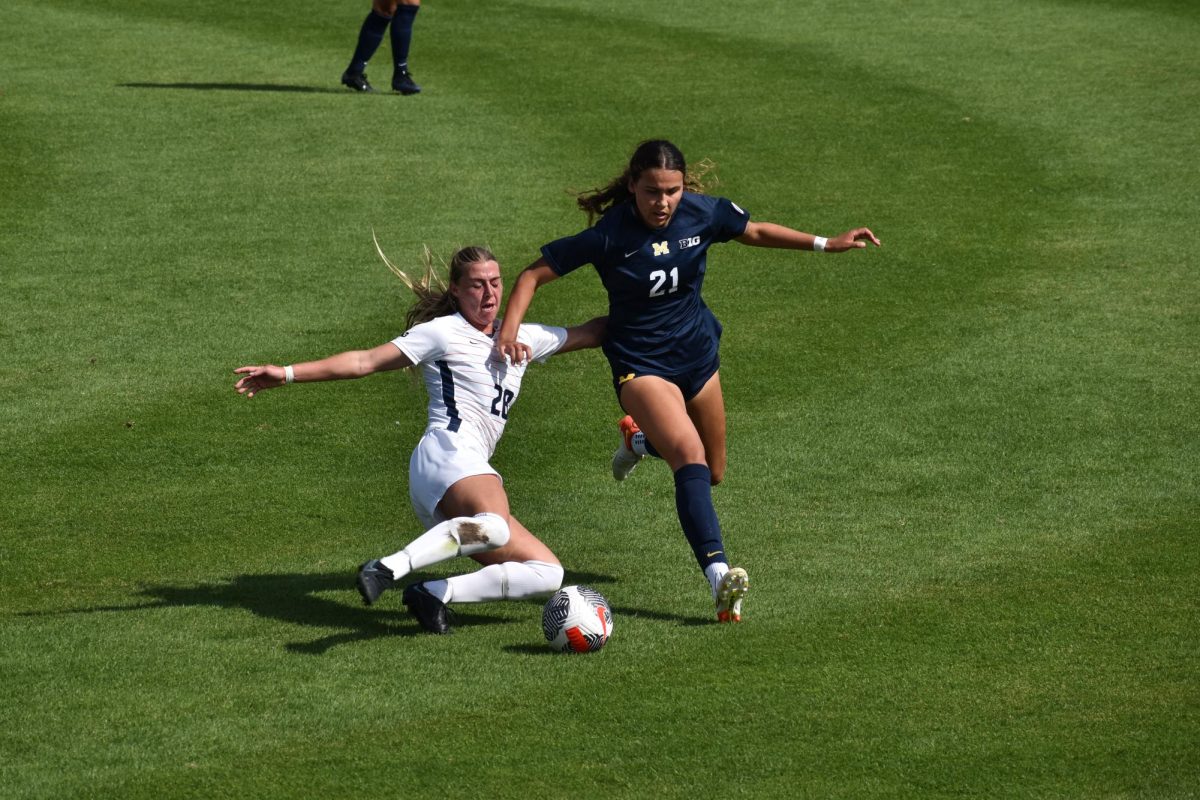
x=455, y=492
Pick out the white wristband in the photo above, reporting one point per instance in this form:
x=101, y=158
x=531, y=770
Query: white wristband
x=819, y=244
x=289, y=374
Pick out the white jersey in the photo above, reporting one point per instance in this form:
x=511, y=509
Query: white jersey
x=471, y=389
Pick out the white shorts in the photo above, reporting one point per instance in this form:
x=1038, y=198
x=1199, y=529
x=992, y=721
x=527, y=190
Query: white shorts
x=440, y=460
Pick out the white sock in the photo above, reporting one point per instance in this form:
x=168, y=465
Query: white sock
x=461, y=536
x=715, y=572
x=398, y=563
x=512, y=580
x=637, y=443
x=439, y=589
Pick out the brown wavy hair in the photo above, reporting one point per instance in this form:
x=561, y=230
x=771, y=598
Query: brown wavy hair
x=650, y=154
x=431, y=289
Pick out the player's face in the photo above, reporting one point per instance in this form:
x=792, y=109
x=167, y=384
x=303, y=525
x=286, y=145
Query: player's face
x=657, y=193
x=478, y=293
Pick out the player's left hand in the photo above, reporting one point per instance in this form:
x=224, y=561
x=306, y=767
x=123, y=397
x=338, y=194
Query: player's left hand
x=854, y=239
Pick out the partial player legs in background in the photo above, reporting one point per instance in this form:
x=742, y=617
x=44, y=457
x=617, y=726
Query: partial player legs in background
x=402, y=26
x=369, y=38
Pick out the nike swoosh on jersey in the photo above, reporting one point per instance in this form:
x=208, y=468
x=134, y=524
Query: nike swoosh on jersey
x=631, y=252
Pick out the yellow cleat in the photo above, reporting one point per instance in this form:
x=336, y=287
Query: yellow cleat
x=730, y=594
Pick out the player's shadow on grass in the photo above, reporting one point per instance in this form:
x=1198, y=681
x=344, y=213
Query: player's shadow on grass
x=294, y=598
x=239, y=87
x=663, y=616
x=298, y=599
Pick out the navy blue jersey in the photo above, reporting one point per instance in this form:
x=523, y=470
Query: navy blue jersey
x=657, y=321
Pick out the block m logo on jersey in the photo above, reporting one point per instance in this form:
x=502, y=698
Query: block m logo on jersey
x=661, y=248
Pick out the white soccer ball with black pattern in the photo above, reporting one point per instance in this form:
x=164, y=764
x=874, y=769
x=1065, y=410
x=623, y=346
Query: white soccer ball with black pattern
x=577, y=619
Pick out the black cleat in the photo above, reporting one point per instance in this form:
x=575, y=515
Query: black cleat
x=356, y=81
x=429, y=611
x=373, y=580
x=402, y=82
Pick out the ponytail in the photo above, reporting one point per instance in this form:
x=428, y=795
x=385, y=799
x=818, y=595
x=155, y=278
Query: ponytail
x=431, y=289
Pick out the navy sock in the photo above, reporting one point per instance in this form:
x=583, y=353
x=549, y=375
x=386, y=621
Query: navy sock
x=693, y=500
x=402, y=25
x=369, y=39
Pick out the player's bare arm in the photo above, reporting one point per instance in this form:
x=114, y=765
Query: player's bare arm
x=768, y=234
x=589, y=334
x=343, y=366
x=528, y=282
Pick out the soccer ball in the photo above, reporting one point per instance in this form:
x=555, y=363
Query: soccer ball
x=577, y=619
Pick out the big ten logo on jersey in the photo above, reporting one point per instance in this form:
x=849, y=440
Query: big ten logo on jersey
x=661, y=248
x=691, y=241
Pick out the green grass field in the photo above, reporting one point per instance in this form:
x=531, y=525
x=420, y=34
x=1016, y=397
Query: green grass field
x=963, y=467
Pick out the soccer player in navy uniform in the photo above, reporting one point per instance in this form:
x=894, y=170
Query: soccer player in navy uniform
x=399, y=15
x=649, y=248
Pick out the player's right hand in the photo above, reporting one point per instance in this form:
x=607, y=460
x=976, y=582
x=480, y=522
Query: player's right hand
x=514, y=352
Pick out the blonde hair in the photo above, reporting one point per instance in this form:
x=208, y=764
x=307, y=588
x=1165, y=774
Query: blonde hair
x=431, y=289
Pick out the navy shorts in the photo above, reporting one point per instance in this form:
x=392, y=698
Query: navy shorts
x=690, y=383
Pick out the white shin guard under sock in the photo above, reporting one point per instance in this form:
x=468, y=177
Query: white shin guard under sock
x=512, y=580
x=461, y=536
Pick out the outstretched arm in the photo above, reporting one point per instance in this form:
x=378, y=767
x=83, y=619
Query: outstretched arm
x=528, y=282
x=768, y=234
x=351, y=364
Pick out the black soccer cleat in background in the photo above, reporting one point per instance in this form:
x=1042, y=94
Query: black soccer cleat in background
x=402, y=82
x=356, y=81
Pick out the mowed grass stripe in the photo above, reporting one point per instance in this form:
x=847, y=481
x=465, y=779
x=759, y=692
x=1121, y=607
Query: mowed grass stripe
x=941, y=605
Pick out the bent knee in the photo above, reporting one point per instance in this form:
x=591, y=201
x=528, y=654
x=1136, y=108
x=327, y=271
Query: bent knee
x=716, y=464
x=679, y=455
x=480, y=533
x=498, y=532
